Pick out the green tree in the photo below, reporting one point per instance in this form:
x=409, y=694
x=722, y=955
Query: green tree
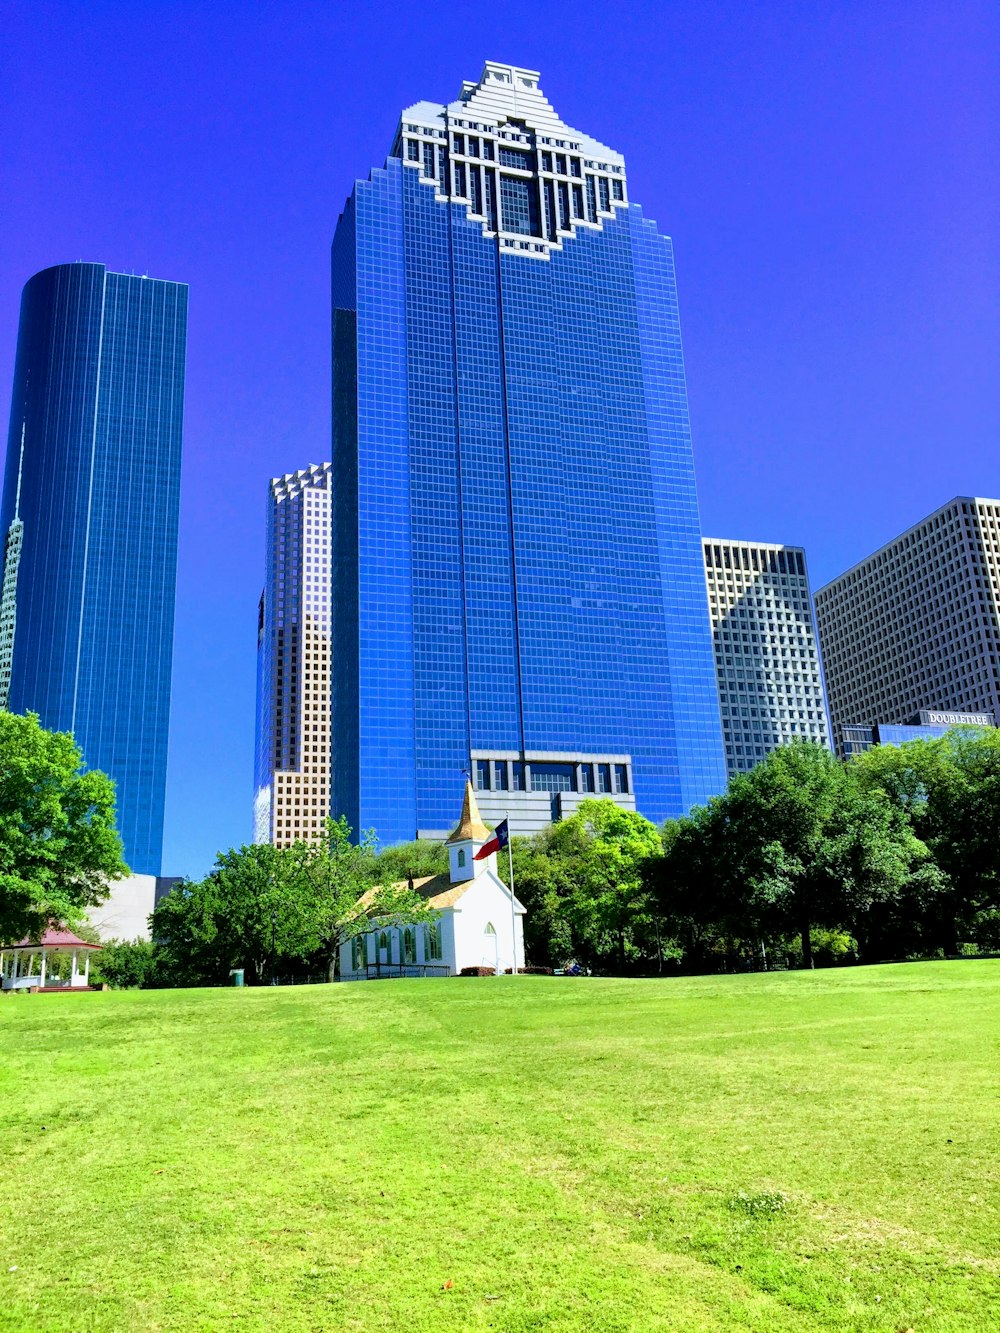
x=424, y=857
x=601, y=852
x=130, y=965
x=255, y=910
x=811, y=847
x=949, y=789
x=59, y=847
x=354, y=897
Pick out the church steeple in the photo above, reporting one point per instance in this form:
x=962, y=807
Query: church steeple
x=466, y=840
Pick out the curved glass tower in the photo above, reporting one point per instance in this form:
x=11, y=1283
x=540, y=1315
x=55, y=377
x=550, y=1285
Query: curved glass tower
x=89, y=518
x=519, y=589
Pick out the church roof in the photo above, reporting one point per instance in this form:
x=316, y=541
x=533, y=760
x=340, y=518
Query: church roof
x=437, y=891
x=470, y=827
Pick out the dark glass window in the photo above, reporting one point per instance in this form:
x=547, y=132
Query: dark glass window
x=604, y=777
x=443, y=166
x=499, y=775
x=482, y=775
x=602, y=186
x=550, y=211
x=621, y=779
x=617, y=190
x=546, y=161
x=561, y=163
x=476, y=179
x=488, y=149
x=553, y=777
x=460, y=179
x=578, y=201
x=517, y=768
x=520, y=206
x=515, y=157
x=564, y=206
x=591, y=199
x=587, y=777
x=413, y=150
x=458, y=143
x=491, y=199
x=473, y=146
x=574, y=167
x=428, y=159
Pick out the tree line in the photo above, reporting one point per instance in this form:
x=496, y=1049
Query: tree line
x=892, y=854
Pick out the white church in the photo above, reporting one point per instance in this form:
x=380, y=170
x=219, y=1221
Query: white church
x=477, y=921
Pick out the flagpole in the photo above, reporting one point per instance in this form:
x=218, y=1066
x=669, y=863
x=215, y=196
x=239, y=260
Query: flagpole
x=513, y=914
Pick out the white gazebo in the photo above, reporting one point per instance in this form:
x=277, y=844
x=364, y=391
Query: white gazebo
x=18, y=970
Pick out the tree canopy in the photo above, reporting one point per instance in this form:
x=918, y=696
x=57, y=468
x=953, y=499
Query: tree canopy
x=59, y=846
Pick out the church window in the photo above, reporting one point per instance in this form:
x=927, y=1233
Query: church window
x=461, y=856
x=434, y=951
x=490, y=929
x=409, y=946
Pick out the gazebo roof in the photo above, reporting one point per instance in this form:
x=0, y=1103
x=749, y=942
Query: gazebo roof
x=55, y=937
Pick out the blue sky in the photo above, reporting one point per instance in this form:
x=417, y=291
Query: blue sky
x=830, y=174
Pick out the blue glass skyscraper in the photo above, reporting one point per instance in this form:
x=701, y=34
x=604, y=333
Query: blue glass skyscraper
x=90, y=505
x=517, y=568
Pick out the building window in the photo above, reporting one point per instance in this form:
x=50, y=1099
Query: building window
x=519, y=205
x=482, y=775
x=357, y=953
x=499, y=776
x=409, y=945
x=434, y=952
x=616, y=189
x=490, y=929
x=384, y=948
x=553, y=777
x=621, y=779
x=429, y=160
x=515, y=157
x=604, y=778
x=461, y=858
x=586, y=777
x=413, y=150
x=517, y=769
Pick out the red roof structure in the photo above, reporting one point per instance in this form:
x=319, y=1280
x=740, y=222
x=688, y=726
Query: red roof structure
x=55, y=937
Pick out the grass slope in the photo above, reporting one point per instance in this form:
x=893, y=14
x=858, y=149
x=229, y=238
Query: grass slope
x=785, y=1152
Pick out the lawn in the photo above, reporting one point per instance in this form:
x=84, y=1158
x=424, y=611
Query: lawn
x=786, y=1152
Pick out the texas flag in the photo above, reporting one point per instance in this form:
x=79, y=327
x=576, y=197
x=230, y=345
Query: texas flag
x=499, y=839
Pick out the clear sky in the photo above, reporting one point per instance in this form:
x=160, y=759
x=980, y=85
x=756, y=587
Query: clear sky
x=830, y=174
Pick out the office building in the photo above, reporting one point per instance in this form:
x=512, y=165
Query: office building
x=928, y=725
x=517, y=562
x=915, y=626
x=766, y=660
x=89, y=518
x=292, y=779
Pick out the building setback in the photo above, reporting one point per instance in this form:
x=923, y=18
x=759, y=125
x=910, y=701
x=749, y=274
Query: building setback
x=766, y=661
x=89, y=518
x=915, y=626
x=292, y=769
x=517, y=563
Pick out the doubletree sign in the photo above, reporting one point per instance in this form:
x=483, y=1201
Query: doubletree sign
x=932, y=719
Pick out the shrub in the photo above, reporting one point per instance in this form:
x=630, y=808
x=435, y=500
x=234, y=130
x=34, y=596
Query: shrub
x=478, y=972
x=530, y=971
x=126, y=964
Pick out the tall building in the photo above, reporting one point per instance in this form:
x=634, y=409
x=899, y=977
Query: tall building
x=766, y=661
x=89, y=518
x=517, y=558
x=292, y=780
x=916, y=625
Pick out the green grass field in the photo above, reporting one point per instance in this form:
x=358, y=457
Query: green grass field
x=794, y=1151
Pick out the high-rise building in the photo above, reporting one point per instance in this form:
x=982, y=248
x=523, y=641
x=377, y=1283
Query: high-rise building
x=766, y=661
x=90, y=505
x=916, y=626
x=517, y=559
x=292, y=779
